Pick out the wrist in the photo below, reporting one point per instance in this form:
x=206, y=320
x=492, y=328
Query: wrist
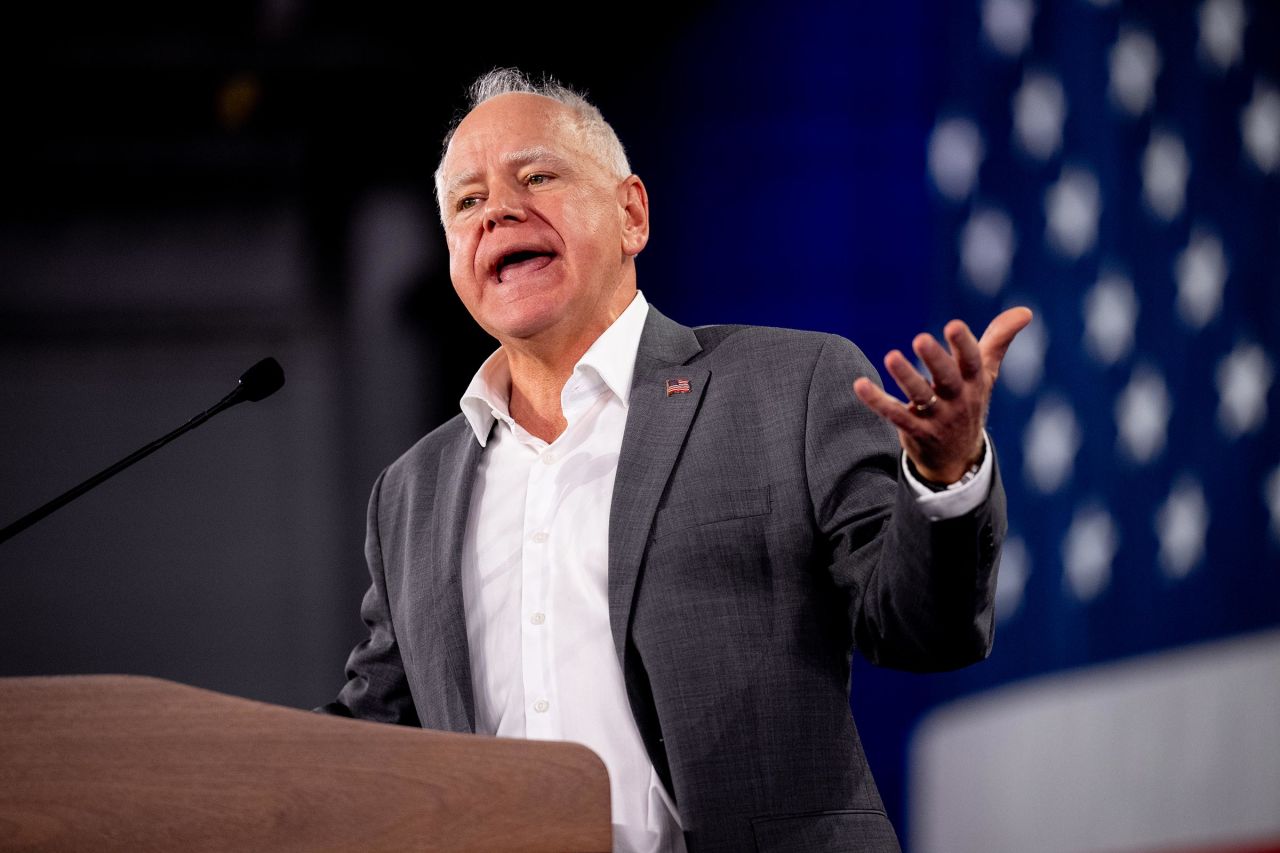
x=940, y=480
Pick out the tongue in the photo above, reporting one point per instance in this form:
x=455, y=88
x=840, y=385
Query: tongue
x=528, y=266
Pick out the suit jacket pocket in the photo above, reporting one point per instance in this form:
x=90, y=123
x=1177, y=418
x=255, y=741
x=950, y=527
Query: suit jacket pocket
x=854, y=831
x=717, y=506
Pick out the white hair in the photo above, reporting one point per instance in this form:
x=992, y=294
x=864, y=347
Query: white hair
x=598, y=136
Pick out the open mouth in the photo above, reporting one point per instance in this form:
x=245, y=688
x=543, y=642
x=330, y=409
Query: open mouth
x=522, y=263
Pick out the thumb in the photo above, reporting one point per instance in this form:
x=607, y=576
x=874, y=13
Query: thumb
x=1000, y=334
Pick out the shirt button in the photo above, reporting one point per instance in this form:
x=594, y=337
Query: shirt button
x=549, y=458
x=540, y=537
x=538, y=618
x=541, y=706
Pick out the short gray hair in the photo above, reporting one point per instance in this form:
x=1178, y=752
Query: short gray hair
x=599, y=136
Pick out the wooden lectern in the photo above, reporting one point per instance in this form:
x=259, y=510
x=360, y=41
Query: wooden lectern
x=115, y=763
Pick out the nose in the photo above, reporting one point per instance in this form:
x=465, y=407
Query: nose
x=504, y=207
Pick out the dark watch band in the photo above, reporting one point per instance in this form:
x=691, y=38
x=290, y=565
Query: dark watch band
x=935, y=486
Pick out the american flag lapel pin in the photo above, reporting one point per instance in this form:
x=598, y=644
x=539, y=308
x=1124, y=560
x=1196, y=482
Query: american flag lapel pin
x=677, y=386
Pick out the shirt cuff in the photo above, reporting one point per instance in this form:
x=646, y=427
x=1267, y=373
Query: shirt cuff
x=958, y=500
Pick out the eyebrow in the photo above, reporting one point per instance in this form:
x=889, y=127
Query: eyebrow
x=523, y=157
x=531, y=155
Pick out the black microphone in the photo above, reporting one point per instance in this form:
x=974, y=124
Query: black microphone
x=257, y=383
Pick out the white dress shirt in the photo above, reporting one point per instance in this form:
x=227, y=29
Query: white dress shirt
x=535, y=576
x=535, y=580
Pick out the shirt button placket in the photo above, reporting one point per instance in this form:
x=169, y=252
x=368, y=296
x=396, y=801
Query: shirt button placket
x=539, y=662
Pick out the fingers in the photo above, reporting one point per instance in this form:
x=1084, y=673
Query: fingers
x=1000, y=333
x=951, y=372
x=941, y=438
x=964, y=347
x=946, y=375
x=915, y=386
x=883, y=404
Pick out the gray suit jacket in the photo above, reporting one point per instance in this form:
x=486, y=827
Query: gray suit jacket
x=758, y=533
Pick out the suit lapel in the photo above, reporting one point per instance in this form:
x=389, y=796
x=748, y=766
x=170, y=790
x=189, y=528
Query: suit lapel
x=657, y=423
x=454, y=482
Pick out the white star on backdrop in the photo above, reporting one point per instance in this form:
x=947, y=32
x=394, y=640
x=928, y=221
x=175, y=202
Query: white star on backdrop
x=1181, y=523
x=1023, y=363
x=1049, y=444
x=1165, y=168
x=955, y=155
x=1039, y=111
x=1244, y=377
x=1007, y=24
x=1135, y=64
x=1072, y=206
x=1087, y=551
x=1271, y=494
x=1201, y=273
x=1011, y=577
x=986, y=249
x=1142, y=415
x=1222, y=25
x=1260, y=127
x=1110, y=318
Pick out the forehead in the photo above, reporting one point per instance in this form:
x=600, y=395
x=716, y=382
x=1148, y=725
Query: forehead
x=508, y=126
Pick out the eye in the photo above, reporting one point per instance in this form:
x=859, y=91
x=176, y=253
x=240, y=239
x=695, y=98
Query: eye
x=537, y=179
x=468, y=202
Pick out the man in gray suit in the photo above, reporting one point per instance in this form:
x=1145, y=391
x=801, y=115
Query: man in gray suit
x=665, y=542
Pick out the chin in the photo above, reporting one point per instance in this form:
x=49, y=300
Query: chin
x=536, y=303
x=523, y=324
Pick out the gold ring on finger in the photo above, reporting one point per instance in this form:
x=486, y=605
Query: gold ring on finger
x=926, y=407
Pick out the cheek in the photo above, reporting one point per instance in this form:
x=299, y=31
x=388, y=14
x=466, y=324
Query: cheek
x=590, y=215
x=461, y=263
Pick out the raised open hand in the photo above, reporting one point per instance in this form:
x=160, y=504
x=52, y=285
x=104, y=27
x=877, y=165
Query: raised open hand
x=940, y=426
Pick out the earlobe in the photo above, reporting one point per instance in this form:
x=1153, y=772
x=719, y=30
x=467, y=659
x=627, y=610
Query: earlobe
x=633, y=200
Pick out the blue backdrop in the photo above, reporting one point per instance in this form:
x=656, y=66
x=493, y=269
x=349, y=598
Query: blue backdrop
x=875, y=169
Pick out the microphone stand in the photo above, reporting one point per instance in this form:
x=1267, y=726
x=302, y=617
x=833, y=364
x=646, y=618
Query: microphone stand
x=259, y=381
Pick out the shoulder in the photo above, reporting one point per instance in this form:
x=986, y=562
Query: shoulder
x=714, y=336
x=420, y=464
x=770, y=348
x=765, y=349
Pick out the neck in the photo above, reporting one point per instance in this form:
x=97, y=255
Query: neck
x=540, y=369
x=535, y=401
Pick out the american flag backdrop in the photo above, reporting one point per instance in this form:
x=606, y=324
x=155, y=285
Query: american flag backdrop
x=1116, y=166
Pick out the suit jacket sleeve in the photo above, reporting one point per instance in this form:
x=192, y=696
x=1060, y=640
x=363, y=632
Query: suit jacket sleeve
x=376, y=687
x=920, y=593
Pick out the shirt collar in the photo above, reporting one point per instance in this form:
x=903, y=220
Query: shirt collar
x=612, y=357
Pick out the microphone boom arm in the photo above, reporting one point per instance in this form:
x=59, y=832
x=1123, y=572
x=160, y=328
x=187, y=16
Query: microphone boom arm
x=259, y=381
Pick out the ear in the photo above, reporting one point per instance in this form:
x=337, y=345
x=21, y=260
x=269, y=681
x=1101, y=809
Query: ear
x=633, y=205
